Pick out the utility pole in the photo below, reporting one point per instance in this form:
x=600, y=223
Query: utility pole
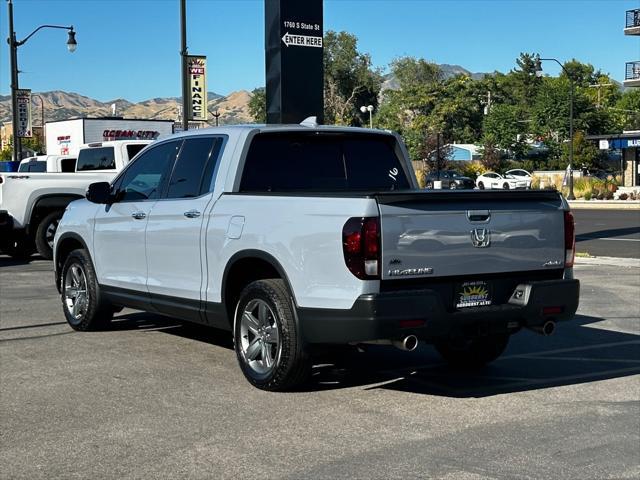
x=599, y=87
x=183, y=56
x=13, y=53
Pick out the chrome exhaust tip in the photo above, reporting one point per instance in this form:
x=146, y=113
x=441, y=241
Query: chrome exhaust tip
x=408, y=343
x=547, y=328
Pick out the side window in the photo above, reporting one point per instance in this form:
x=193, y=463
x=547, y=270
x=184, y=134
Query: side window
x=193, y=171
x=133, y=149
x=96, y=158
x=143, y=179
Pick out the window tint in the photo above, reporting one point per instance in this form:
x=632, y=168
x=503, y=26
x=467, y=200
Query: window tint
x=37, y=166
x=132, y=150
x=194, y=167
x=68, y=165
x=300, y=161
x=96, y=158
x=143, y=179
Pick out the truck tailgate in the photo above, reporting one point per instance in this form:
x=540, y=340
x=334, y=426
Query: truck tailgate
x=466, y=233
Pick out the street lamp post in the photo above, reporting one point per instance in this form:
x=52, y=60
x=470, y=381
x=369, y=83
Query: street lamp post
x=369, y=109
x=571, y=195
x=13, y=50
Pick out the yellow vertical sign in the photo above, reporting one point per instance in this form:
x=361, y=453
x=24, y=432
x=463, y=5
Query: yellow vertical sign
x=197, y=70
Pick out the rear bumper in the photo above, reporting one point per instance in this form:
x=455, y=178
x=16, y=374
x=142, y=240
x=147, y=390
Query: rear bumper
x=379, y=316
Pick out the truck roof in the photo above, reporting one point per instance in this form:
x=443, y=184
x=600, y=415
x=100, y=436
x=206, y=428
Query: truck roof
x=304, y=127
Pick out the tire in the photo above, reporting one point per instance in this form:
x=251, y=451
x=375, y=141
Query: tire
x=19, y=248
x=472, y=353
x=83, y=312
x=45, y=233
x=453, y=186
x=505, y=186
x=429, y=185
x=481, y=185
x=265, y=310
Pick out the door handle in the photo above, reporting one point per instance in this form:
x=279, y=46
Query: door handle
x=192, y=214
x=139, y=215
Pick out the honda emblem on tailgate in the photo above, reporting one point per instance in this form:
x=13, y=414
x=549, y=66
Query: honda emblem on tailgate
x=480, y=237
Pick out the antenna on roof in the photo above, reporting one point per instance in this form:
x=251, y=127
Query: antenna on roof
x=310, y=122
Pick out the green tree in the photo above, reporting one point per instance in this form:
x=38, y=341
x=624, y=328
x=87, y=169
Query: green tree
x=258, y=105
x=350, y=80
x=585, y=153
x=626, y=112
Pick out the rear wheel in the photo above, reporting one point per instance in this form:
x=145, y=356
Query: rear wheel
x=472, y=353
x=453, y=186
x=46, y=232
x=267, y=341
x=505, y=186
x=20, y=248
x=83, y=305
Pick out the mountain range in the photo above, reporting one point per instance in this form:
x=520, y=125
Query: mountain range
x=59, y=105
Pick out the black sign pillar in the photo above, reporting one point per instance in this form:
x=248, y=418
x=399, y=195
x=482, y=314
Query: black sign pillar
x=294, y=69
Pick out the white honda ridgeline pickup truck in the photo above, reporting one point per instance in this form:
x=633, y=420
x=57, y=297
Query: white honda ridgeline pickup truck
x=292, y=236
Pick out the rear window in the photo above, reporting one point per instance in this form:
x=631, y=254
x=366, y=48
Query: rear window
x=37, y=166
x=301, y=161
x=96, y=158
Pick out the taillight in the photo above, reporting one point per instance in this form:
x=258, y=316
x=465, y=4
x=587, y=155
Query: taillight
x=361, y=247
x=569, y=239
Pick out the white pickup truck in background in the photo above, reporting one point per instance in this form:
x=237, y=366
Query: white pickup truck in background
x=48, y=164
x=31, y=204
x=294, y=236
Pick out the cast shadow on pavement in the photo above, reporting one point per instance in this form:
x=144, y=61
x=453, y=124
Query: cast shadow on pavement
x=612, y=232
x=579, y=352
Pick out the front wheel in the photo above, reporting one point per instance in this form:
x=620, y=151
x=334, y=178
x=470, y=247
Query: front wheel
x=82, y=303
x=481, y=185
x=267, y=340
x=505, y=186
x=472, y=353
x=45, y=233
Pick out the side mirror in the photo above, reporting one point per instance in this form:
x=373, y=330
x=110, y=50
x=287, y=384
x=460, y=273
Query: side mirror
x=99, y=192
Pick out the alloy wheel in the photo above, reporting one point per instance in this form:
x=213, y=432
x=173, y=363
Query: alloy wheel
x=260, y=337
x=76, y=296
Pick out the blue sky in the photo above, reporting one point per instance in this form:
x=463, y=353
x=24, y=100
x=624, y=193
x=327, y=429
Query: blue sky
x=130, y=48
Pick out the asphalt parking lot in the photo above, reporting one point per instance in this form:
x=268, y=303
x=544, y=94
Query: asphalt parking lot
x=153, y=398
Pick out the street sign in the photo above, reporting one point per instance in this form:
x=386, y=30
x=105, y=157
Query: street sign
x=302, y=40
x=293, y=58
x=197, y=71
x=24, y=129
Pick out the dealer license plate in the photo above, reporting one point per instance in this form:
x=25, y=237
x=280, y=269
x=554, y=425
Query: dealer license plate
x=476, y=293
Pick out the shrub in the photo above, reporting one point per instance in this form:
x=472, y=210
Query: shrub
x=600, y=196
x=421, y=177
x=608, y=195
x=623, y=196
x=632, y=196
x=587, y=195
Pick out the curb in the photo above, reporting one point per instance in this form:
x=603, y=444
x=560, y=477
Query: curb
x=611, y=261
x=604, y=204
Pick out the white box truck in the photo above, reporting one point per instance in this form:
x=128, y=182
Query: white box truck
x=65, y=137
